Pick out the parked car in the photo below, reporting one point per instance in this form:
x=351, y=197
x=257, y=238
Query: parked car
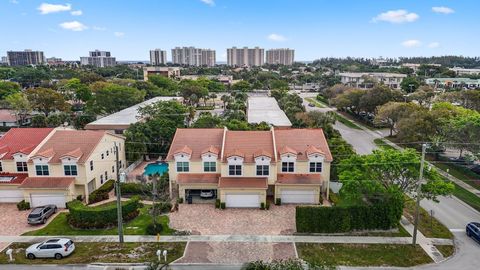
x=41, y=214
x=311, y=105
x=206, y=194
x=473, y=230
x=52, y=248
x=476, y=169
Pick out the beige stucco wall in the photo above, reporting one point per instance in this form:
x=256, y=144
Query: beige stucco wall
x=224, y=191
x=250, y=170
x=9, y=166
x=8, y=187
x=316, y=188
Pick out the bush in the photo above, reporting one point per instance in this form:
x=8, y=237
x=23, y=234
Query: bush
x=132, y=189
x=99, y=217
x=154, y=228
x=23, y=205
x=101, y=193
x=278, y=201
x=180, y=200
x=383, y=214
x=163, y=207
x=274, y=265
x=222, y=205
x=79, y=198
x=217, y=203
x=334, y=199
x=262, y=206
x=267, y=205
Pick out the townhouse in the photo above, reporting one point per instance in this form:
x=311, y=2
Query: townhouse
x=54, y=166
x=244, y=168
x=368, y=80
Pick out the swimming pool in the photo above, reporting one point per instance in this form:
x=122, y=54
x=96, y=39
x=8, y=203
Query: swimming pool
x=154, y=168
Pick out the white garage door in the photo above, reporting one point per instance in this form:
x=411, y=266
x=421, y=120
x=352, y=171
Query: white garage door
x=298, y=196
x=40, y=199
x=242, y=200
x=11, y=196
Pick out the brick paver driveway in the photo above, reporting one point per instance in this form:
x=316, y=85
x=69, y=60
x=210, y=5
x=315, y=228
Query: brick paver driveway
x=205, y=219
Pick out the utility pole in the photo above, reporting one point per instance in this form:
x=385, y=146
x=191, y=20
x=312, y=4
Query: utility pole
x=119, y=195
x=419, y=190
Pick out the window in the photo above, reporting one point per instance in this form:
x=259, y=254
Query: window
x=1, y=168
x=113, y=169
x=103, y=156
x=106, y=175
x=70, y=169
x=234, y=169
x=263, y=170
x=288, y=166
x=209, y=166
x=315, y=167
x=22, y=167
x=107, y=153
x=183, y=166
x=91, y=165
x=42, y=169
x=101, y=179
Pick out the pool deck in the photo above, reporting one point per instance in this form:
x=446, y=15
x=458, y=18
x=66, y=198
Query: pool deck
x=132, y=176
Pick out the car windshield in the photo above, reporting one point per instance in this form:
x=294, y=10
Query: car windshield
x=34, y=215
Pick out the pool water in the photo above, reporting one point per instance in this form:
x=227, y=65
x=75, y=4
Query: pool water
x=154, y=168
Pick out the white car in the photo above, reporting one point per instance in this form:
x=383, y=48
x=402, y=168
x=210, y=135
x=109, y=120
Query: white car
x=53, y=248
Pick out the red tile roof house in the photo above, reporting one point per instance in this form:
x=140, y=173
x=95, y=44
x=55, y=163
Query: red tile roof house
x=244, y=167
x=65, y=164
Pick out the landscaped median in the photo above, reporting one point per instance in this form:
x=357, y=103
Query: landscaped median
x=86, y=253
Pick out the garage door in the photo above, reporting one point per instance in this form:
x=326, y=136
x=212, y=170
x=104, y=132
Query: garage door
x=298, y=196
x=242, y=200
x=40, y=199
x=11, y=196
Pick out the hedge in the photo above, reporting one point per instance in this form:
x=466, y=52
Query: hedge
x=99, y=217
x=23, y=205
x=101, y=193
x=383, y=214
x=133, y=189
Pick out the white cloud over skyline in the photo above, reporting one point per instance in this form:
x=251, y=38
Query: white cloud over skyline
x=276, y=37
x=73, y=26
x=77, y=13
x=443, y=10
x=209, y=2
x=46, y=8
x=119, y=34
x=433, y=45
x=412, y=43
x=396, y=16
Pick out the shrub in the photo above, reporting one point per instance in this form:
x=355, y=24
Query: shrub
x=132, y=189
x=163, y=207
x=154, y=228
x=267, y=205
x=23, y=205
x=179, y=200
x=85, y=217
x=278, y=201
x=262, y=206
x=382, y=214
x=290, y=264
x=222, y=205
x=101, y=193
x=217, y=203
x=334, y=198
x=79, y=198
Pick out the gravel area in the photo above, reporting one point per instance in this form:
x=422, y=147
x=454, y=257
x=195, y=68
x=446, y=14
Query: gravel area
x=206, y=220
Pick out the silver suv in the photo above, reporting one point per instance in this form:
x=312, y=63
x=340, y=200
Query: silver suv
x=41, y=214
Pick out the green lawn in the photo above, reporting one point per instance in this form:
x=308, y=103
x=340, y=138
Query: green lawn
x=137, y=226
x=316, y=102
x=102, y=252
x=446, y=251
x=467, y=197
x=461, y=173
x=381, y=143
x=347, y=122
x=362, y=254
x=430, y=227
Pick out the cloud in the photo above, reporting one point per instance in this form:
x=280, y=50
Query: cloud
x=209, y=2
x=443, y=10
x=46, y=8
x=411, y=43
x=76, y=13
x=119, y=34
x=434, y=45
x=99, y=28
x=74, y=26
x=14, y=2
x=396, y=16
x=276, y=37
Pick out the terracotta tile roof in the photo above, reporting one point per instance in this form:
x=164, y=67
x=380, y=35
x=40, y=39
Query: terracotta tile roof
x=63, y=142
x=77, y=153
x=248, y=143
x=12, y=178
x=48, y=153
x=243, y=182
x=212, y=149
x=305, y=179
x=198, y=178
x=262, y=153
x=22, y=140
x=197, y=139
x=235, y=152
x=313, y=150
x=287, y=150
x=47, y=182
x=7, y=116
x=300, y=140
x=185, y=149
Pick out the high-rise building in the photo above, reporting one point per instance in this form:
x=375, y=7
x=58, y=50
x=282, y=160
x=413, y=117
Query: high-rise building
x=245, y=56
x=191, y=56
x=158, y=57
x=280, y=57
x=4, y=60
x=98, y=59
x=208, y=57
x=25, y=58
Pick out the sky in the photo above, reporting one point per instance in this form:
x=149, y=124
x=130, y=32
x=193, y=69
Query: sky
x=314, y=28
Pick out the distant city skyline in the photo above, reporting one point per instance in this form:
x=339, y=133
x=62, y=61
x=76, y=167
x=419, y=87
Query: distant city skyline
x=314, y=29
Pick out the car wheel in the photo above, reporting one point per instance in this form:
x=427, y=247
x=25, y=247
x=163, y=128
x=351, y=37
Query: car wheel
x=44, y=221
x=30, y=256
x=55, y=210
x=58, y=256
x=468, y=233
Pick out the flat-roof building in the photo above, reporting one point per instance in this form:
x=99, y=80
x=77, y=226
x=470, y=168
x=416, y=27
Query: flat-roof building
x=121, y=120
x=280, y=57
x=368, y=80
x=266, y=109
x=158, y=57
x=458, y=83
x=245, y=56
x=169, y=72
x=98, y=59
x=25, y=58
